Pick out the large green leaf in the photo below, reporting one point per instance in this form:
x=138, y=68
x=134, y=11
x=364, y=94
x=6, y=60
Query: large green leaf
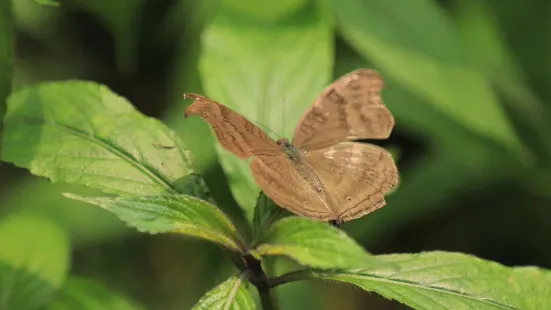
x=80, y=132
x=231, y=294
x=85, y=294
x=6, y=55
x=34, y=255
x=313, y=243
x=415, y=44
x=485, y=47
x=172, y=214
x=266, y=73
x=440, y=280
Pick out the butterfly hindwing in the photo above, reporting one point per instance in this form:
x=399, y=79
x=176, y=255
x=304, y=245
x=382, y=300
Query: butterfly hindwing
x=358, y=175
x=280, y=180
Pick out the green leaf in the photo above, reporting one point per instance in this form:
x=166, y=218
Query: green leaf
x=481, y=36
x=34, y=255
x=231, y=294
x=180, y=214
x=122, y=19
x=21, y=289
x=263, y=10
x=85, y=294
x=440, y=280
x=48, y=2
x=6, y=55
x=81, y=132
x=185, y=77
x=269, y=74
x=415, y=44
x=313, y=243
x=266, y=213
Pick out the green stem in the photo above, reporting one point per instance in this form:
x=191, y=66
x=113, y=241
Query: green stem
x=266, y=299
x=259, y=279
x=292, y=276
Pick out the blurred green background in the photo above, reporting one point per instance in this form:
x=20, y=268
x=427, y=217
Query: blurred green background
x=467, y=80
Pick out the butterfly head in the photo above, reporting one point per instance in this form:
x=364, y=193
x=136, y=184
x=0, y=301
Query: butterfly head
x=288, y=148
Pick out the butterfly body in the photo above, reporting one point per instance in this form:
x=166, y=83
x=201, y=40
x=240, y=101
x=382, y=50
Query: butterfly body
x=297, y=158
x=321, y=174
x=290, y=151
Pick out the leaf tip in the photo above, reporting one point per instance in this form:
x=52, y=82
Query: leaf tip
x=98, y=201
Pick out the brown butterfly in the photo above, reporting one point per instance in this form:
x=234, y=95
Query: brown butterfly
x=320, y=174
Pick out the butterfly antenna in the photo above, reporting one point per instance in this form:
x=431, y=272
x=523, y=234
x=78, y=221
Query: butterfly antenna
x=283, y=118
x=266, y=129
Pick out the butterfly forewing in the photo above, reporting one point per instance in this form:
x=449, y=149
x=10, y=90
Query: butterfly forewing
x=350, y=108
x=357, y=175
x=233, y=131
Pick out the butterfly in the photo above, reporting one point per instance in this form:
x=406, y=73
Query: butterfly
x=321, y=174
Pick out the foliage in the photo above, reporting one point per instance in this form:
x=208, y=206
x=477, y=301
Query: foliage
x=33, y=261
x=81, y=293
x=482, y=121
x=6, y=51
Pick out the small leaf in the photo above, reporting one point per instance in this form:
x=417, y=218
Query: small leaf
x=180, y=214
x=84, y=294
x=415, y=44
x=440, y=280
x=266, y=213
x=231, y=294
x=34, y=255
x=268, y=73
x=313, y=243
x=81, y=132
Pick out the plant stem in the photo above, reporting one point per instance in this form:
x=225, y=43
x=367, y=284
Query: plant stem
x=259, y=279
x=266, y=299
x=292, y=276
